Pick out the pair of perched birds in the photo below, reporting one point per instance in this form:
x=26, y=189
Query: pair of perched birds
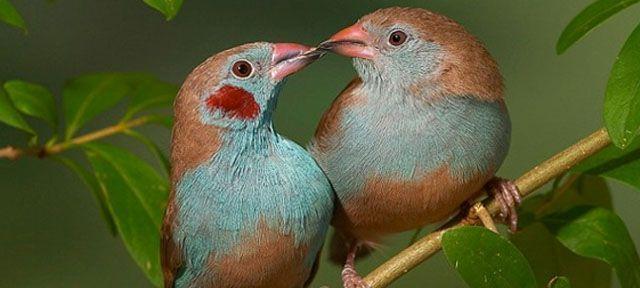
x=418, y=133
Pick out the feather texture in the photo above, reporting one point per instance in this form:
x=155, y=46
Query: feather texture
x=248, y=207
x=421, y=129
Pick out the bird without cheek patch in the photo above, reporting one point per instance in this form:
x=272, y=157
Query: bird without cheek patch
x=235, y=102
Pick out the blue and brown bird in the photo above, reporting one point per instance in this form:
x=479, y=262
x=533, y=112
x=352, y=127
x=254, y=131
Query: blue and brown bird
x=248, y=207
x=420, y=131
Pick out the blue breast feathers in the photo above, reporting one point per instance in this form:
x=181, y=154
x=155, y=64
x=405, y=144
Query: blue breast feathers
x=256, y=178
x=404, y=138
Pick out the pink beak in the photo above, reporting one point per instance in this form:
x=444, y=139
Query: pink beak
x=353, y=41
x=289, y=58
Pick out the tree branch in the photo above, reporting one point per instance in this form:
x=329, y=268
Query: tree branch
x=10, y=152
x=424, y=248
x=13, y=153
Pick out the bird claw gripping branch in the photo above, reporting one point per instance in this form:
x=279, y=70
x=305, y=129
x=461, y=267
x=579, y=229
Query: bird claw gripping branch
x=508, y=195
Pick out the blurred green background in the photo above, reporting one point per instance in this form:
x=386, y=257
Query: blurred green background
x=51, y=233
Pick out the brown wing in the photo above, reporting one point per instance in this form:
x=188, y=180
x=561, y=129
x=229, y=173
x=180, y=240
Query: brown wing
x=170, y=255
x=331, y=118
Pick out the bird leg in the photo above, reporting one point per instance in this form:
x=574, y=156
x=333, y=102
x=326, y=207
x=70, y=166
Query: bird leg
x=508, y=196
x=350, y=277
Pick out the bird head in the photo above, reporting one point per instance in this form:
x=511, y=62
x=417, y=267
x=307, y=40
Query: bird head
x=418, y=49
x=238, y=88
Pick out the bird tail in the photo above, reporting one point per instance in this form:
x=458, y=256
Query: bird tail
x=339, y=248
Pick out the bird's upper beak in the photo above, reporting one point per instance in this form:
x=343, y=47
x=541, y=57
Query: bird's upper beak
x=353, y=41
x=289, y=58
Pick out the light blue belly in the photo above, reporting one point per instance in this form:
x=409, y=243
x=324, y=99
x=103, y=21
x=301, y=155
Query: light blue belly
x=406, y=140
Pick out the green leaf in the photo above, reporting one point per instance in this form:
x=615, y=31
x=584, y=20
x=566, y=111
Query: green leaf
x=531, y=208
x=600, y=234
x=486, y=259
x=10, y=115
x=559, y=282
x=33, y=100
x=622, y=99
x=588, y=19
x=9, y=15
x=91, y=182
x=167, y=7
x=584, y=190
x=615, y=163
x=151, y=93
x=549, y=258
x=87, y=96
x=157, y=152
x=136, y=195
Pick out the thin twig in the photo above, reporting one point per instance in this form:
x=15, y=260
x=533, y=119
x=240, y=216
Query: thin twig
x=485, y=217
x=415, y=236
x=13, y=153
x=559, y=191
x=10, y=152
x=424, y=248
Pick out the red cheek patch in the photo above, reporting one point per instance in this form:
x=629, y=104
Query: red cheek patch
x=235, y=102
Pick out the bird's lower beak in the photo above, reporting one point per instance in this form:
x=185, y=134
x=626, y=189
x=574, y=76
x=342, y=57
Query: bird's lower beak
x=289, y=58
x=353, y=41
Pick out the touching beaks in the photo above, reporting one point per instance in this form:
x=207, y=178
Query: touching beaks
x=289, y=58
x=353, y=41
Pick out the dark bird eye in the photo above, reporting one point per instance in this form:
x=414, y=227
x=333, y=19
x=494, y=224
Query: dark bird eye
x=242, y=69
x=397, y=38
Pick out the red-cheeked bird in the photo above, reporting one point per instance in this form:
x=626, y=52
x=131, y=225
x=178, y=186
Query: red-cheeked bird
x=418, y=133
x=248, y=207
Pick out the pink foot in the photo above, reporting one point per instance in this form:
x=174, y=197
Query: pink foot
x=508, y=195
x=350, y=277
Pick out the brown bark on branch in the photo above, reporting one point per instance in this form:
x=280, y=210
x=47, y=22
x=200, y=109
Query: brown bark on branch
x=424, y=248
x=13, y=153
x=10, y=152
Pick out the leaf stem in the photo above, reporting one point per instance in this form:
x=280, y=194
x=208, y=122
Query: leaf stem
x=424, y=248
x=13, y=153
x=557, y=193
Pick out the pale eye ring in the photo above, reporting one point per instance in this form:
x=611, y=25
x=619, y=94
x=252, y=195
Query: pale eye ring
x=397, y=38
x=242, y=69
